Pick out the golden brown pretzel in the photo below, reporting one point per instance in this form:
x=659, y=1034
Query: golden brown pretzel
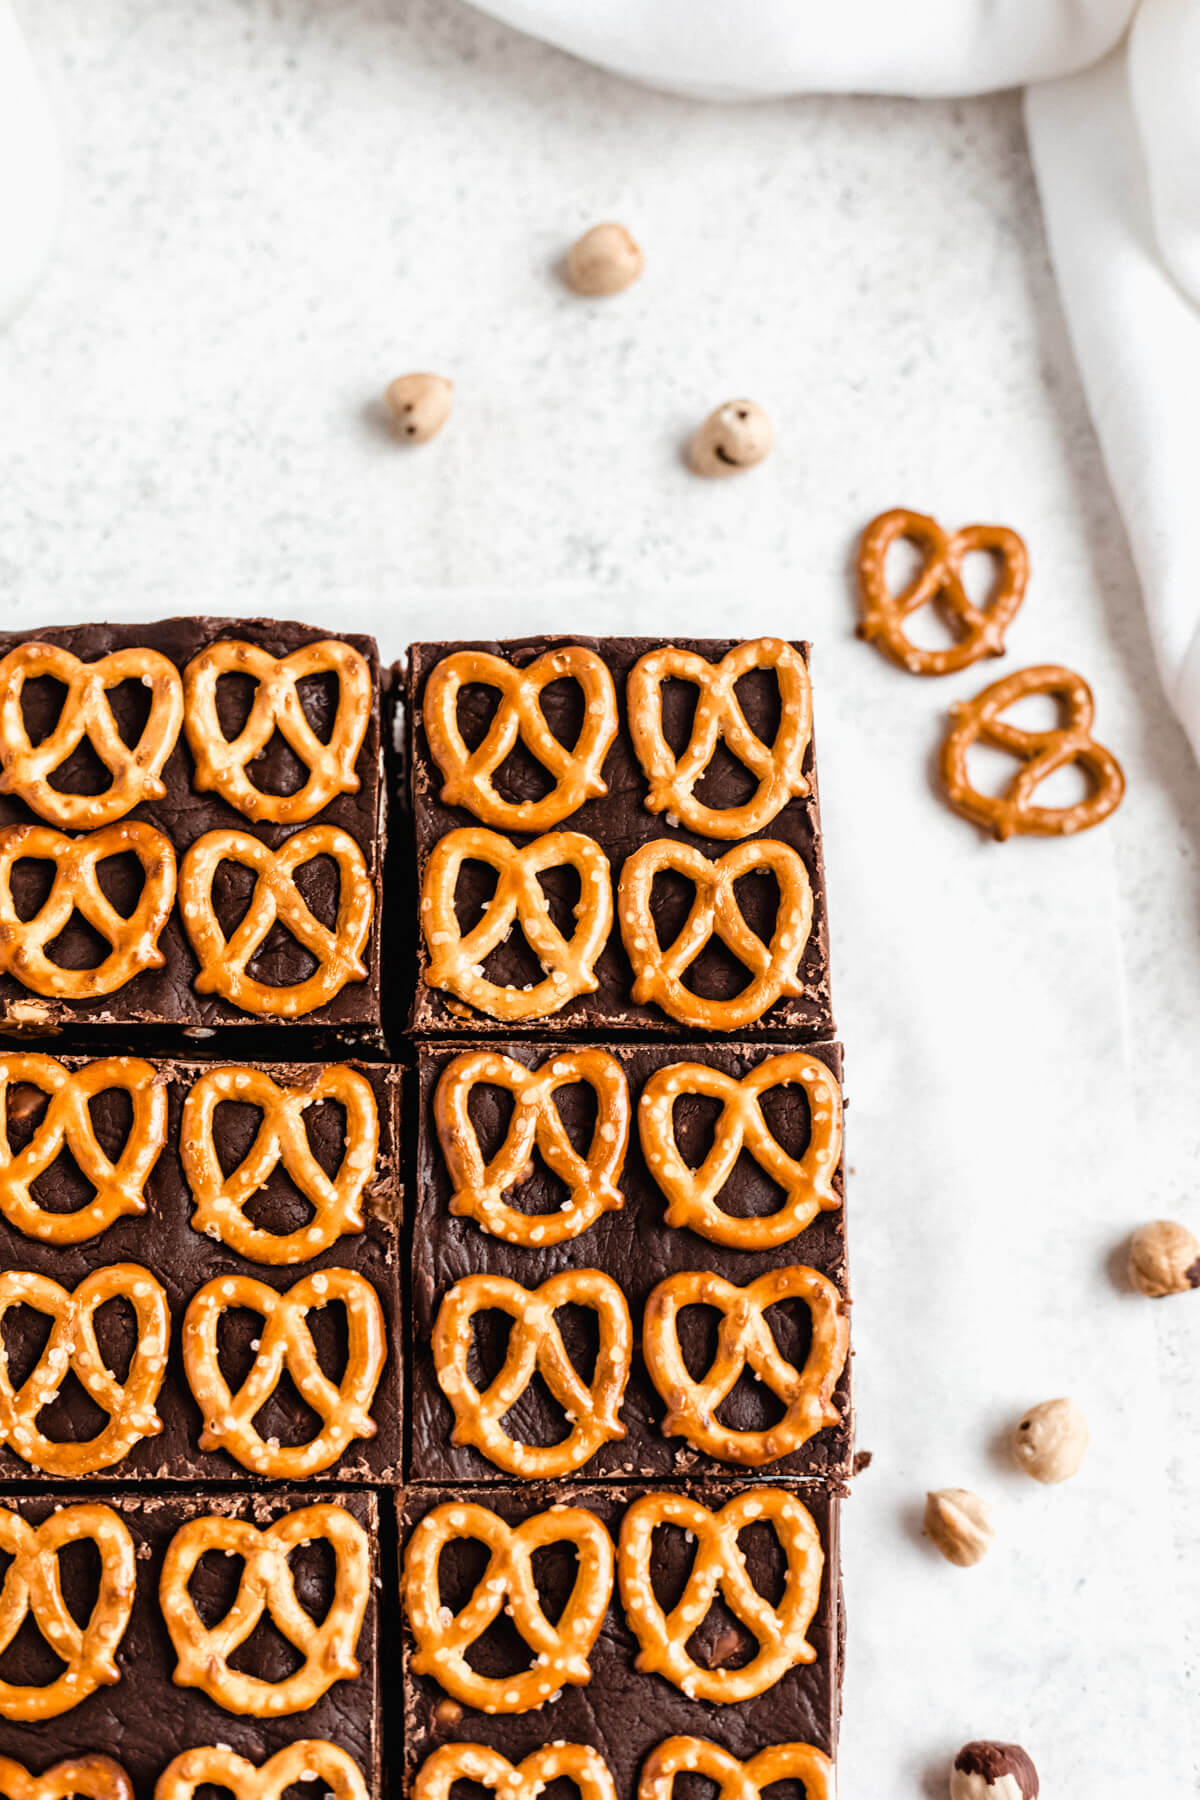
x=285, y=1343
x=308, y=1759
x=467, y=774
x=693, y=1194
x=535, y=1346
x=978, y=721
x=591, y=1182
x=223, y=961
x=72, y=1347
x=745, y=1340
x=76, y=888
x=979, y=630
x=25, y=768
x=88, y=1777
x=221, y=1198
x=559, y=1651
x=67, y=1125
x=577, y=1763
x=736, y=1780
x=268, y=1586
x=658, y=973
x=32, y=1585
x=720, y=1564
x=221, y=763
x=456, y=962
x=779, y=766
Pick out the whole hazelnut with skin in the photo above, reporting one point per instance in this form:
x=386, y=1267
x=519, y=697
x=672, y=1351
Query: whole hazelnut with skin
x=734, y=437
x=1164, y=1258
x=419, y=405
x=987, y=1771
x=1051, y=1441
x=605, y=260
x=960, y=1524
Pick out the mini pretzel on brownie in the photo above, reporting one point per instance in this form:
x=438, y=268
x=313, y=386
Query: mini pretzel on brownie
x=736, y=1780
x=32, y=1588
x=216, y=1765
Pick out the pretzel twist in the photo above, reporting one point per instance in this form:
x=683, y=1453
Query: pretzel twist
x=559, y=1651
x=268, y=1586
x=221, y=1199
x=693, y=1194
x=745, y=1340
x=286, y=1342
x=72, y=1347
x=221, y=763
x=32, y=1584
x=308, y=1759
x=774, y=968
x=480, y=1187
x=779, y=766
x=26, y=768
x=579, y=1764
x=720, y=1564
x=75, y=888
x=67, y=1125
x=224, y=961
x=979, y=630
x=456, y=961
x=978, y=721
x=84, y=1777
x=736, y=1780
x=535, y=1346
x=467, y=774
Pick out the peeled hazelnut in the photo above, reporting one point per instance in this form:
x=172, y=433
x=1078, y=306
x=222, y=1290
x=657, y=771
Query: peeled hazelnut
x=1164, y=1258
x=735, y=437
x=605, y=260
x=1051, y=1440
x=960, y=1524
x=984, y=1771
x=419, y=405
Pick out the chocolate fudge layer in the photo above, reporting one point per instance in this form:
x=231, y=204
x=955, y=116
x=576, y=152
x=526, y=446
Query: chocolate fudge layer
x=144, y=1719
x=636, y=1248
x=620, y=823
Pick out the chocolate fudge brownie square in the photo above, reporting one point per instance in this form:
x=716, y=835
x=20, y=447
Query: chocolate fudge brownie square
x=597, y=1098
x=143, y=1718
x=624, y=1712
x=199, y=727
x=589, y=699
x=270, y=1161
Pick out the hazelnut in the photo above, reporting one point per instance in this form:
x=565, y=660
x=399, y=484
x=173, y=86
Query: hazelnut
x=605, y=260
x=1051, y=1440
x=960, y=1524
x=1164, y=1258
x=735, y=437
x=985, y=1771
x=419, y=405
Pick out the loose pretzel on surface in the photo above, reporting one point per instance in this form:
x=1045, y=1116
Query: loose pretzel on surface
x=287, y=1343
x=559, y=1651
x=221, y=763
x=693, y=1195
x=224, y=961
x=720, y=1564
x=467, y=774
x=26, y=768
x=979, y=630
x=579, y=1764
x=978, y=721
x=736, y=1780
x=268, y=1586
x=779, y=766
x=67, y=1125
x=745, y=1340
x=76, y=888
x=221, y=1199
x=72, y=1347
x=658, y=973
x=456, y=962
x=32, y=1584
x=308, y=1759
x=535, y=1346
x=591, y=1182
x=84, y=1777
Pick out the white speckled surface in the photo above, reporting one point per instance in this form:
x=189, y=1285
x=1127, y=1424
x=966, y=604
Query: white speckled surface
x=277, y=206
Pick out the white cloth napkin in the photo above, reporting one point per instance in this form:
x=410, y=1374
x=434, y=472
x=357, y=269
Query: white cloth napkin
x=30, y=172
x=1114, y=128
